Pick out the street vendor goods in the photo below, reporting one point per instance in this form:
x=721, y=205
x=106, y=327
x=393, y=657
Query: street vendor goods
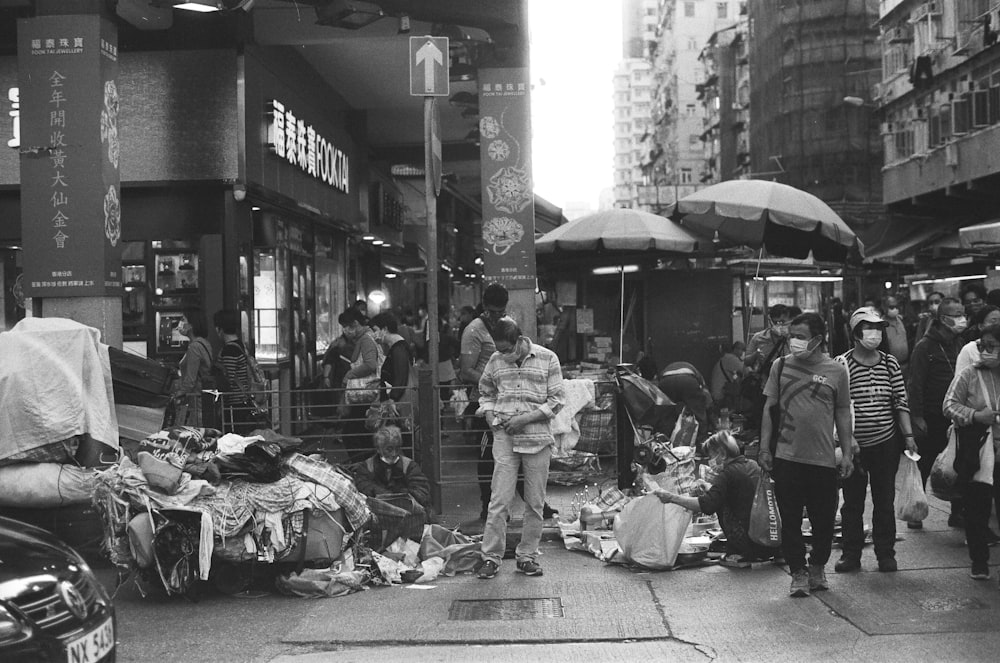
x=173, y=530
x=650, y=533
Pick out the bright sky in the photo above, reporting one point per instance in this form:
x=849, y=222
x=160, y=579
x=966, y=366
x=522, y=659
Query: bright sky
x=576, y=46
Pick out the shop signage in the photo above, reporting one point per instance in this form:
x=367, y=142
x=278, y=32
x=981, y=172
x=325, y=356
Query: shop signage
x=291, y=139
x=14, y=97
x=69, y=156
x=508, y=197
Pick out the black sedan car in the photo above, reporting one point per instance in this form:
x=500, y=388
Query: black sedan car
x=52, y=608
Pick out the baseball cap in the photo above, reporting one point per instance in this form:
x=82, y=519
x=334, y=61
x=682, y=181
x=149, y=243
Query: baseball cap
x=866, y=314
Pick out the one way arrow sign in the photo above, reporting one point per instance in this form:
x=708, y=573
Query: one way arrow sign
x=429, y=66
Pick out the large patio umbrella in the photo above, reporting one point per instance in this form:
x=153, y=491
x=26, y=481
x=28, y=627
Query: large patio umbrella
x=781, y=219
x=623, y=233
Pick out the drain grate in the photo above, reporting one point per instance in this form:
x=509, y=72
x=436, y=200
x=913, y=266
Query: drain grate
x=505, y=609
x=951, y=604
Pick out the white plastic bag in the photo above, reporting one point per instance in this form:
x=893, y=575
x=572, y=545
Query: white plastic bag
x=650, y=533
x=911, y=502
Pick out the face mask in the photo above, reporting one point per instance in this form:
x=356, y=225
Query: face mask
x=957, y=325
x=892, y=311
x=781, y=329
x=799, y=347
x=389, y=461
x=989, y=359
x=516, y=352
x=870, y=338
x=934, y=306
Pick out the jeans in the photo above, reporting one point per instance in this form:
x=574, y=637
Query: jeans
x=977, y=500
x=814, y=488
x=484, y=468
x=536, y=476
x=878, y=465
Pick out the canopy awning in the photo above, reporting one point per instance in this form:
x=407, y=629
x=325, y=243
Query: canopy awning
x=982, y=235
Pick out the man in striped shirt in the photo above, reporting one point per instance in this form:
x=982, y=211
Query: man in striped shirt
x=881, y=422
x=520, y=391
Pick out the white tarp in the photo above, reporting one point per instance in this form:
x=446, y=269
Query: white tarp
x=55, y=382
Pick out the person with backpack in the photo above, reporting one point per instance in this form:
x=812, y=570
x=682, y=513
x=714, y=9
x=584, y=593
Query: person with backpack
x=195, y=368
x=882, y=430
x=238, y=377
x=727, y=375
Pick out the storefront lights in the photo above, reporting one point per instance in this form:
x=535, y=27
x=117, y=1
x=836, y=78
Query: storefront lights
x=949, y=279
x=617, y=269
x=209, y=6
x=377, y=296
x=377, y=242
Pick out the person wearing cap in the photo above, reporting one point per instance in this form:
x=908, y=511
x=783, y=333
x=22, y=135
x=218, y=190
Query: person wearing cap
x=881, y=430
x=730, y=494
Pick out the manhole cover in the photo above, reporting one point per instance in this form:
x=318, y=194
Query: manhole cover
x=505, y=609
x=951, y=605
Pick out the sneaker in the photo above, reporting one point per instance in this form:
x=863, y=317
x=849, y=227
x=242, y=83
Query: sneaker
x=980, y=571
x=735, y=562
x=549, y=512
x=888, y=565
x=800, y=583
x=817, y=578
x=529, y=567
x=487, y=570
x=915, y=524
x=847, y=564
x=956, y=520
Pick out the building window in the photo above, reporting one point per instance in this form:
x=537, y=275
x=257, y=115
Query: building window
x=686, y=176
x=691, y=110
x=692, y=43
x=689, y=9
x=694, y=139
x=721, y=9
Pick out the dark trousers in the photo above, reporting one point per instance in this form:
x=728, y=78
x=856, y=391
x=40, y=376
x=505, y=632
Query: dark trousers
x=930, y=446
x=876, y=465
x=977, y=500
x=799, y=486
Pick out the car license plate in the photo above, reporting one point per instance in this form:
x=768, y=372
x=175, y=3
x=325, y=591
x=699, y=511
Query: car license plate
x=92, y=646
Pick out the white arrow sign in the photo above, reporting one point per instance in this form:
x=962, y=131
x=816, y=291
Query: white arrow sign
x=429, y=54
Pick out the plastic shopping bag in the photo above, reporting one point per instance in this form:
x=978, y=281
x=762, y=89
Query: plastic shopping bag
x=911, y=502
x=944, y=478
x=765, y=521
x=650, y=533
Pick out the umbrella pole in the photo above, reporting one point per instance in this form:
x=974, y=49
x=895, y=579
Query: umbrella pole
x=621, y=322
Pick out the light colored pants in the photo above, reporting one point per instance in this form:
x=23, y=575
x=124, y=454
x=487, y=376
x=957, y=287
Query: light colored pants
x=536, y=476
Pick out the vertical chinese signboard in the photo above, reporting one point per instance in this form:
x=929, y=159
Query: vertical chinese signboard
x=508, y=196
x=70, y=182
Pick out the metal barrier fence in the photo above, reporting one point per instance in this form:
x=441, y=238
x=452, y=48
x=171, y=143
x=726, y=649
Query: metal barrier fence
x=441, y=431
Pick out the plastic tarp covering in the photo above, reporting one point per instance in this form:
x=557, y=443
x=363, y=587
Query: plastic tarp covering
x=55, y=382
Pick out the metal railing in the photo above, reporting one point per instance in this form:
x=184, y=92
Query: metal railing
x=447, y=443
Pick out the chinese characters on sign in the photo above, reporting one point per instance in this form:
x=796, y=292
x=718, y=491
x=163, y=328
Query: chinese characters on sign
x=290, y=138
x=508, y=197
x=67, y=116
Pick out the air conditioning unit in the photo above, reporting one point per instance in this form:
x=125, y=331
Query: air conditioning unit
x=899, y=35
x=951, y=155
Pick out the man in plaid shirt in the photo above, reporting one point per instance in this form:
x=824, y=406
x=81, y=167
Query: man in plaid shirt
x=520, y=391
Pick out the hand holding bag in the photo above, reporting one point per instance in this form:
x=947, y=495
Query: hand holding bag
x=911, y=503
x=650, y=533
x=765, y=520
x=944, y=478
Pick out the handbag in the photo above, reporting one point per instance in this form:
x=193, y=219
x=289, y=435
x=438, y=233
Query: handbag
x=361, y=391
x=765, y=520
x=944, y=478
x=911, y=505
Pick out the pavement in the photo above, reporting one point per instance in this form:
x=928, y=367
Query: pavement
x=584, y=609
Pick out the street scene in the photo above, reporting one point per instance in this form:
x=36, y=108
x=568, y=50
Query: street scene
x=499, y=330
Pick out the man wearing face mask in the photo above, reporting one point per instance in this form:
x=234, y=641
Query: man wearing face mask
x=928, y=315
x=881, y=429
x=520, y=392
x=932, y=367
x=811, y=394
x=762, y=350
x=894, y=331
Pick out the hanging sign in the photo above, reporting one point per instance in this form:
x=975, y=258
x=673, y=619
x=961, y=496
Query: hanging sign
x=508, y=197
x=69, y=154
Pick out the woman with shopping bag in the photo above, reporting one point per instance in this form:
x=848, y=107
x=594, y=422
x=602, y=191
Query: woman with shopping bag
x=973, y=404
x=881, y=429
